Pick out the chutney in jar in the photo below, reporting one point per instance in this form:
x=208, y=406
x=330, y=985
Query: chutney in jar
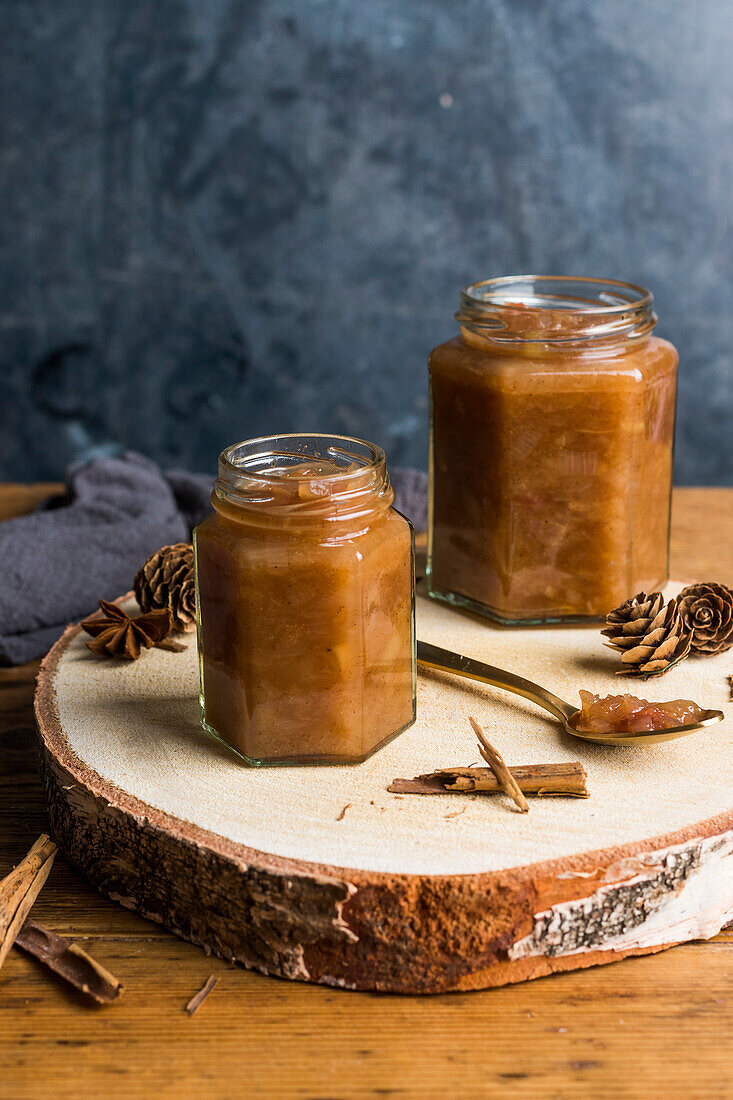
x=552, y=425
x=305, y=602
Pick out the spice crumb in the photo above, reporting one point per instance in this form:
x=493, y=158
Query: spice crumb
x=198, y=998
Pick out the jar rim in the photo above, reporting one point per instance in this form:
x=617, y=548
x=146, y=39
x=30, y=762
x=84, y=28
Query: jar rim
x=374, y=456
x=643, y=297
x=260, y=477
x=556, y=309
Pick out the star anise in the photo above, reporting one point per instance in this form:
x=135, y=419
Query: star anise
x=117, y=634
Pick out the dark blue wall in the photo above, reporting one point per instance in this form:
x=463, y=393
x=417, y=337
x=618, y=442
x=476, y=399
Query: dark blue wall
x=220, y=218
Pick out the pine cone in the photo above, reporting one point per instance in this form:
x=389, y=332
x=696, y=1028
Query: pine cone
x=167, y=580
x=707, y=611
x=650, y=634
x=629, y=623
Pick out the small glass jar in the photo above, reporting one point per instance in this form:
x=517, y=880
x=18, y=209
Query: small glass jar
x=305, y=602
x=552, y=426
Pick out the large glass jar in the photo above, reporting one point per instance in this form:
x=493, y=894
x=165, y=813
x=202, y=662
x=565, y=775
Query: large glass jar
x=552, y=424
x=305, y=595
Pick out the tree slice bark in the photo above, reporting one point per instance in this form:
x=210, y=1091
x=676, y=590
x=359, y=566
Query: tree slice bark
x=390, y=929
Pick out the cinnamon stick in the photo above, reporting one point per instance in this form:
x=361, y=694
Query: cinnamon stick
x=20, y=888
x=69, y=961
x=540, y=780
x=495, y=761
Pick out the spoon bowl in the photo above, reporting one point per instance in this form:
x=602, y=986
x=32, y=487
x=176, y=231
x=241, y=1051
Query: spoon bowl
x=644, y=737
x=432, y=656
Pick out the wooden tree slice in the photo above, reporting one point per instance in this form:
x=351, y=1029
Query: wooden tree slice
x=321, y=874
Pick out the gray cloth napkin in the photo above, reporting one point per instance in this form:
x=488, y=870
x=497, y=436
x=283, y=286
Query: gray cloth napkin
x=59, y=561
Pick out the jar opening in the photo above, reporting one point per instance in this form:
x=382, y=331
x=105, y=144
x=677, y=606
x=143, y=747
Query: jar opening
x=272, y=457
x=305, y=477
x=555, y=309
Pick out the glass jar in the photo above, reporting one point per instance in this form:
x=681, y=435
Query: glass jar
x=305, y=602
x=552, y=425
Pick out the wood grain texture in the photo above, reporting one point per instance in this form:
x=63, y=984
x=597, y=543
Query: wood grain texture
x=643, y=1027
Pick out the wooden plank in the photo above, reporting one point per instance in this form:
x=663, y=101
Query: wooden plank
x=701, y=546
x=648, y=1027
x=18, y=500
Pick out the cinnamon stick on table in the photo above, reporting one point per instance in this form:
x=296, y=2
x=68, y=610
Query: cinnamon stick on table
x=70, y=961
x=540, y=780
x=20, y=888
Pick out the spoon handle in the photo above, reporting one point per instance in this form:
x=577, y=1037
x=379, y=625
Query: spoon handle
x=432, y=656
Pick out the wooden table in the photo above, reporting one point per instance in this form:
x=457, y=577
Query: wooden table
x=642, y=1027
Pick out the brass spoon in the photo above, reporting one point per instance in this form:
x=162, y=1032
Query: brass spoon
x=432, y=656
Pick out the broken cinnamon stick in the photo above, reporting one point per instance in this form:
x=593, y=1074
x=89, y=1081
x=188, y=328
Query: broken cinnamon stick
x=495, y=761
x=198, y=998
x=20, y=888
x=540, y=780
x=69, y=961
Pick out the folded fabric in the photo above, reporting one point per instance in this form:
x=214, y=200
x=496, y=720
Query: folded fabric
x=88, y=544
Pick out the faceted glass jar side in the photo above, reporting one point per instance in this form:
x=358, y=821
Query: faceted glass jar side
x=306, y=615
x=551, y=454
